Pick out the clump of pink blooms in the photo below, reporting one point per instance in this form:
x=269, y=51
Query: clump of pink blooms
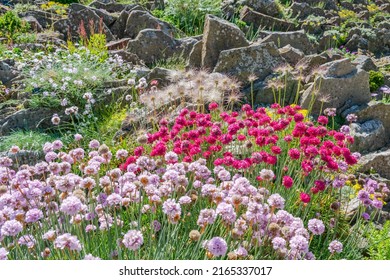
x=247, y=169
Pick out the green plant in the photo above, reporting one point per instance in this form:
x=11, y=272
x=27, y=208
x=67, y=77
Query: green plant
x=26, y=140
x=23, y=38
x=376, y=80
x=21, y=8
x=175, y=62
x=379, y=242
x=189, y=16
x=11, y=24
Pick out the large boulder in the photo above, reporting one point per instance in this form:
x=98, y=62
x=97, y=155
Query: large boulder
x=268, y=7
x=82, y=19
x=152, y=45
x=378, y=162
x=369, y=136
x=296, y=39
x=257, y=59
x=7, y=73
x=259, y=20
x=291, y=55
x=340, y=85
x=140, y=20
x=219, y=35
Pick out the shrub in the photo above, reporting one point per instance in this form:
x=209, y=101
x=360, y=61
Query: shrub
x=11, y=24
x=377, y=79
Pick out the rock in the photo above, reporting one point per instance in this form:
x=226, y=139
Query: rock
x=303, y=10
x=119, y=26
x=162, y=75
x=82, y=19
x=140, y=20
x=364, y=62
x=257, y=59
x=34, y=24
x=127, y=57
x=117, y=45
x=291, y=55
x=111, y=7
x=7, y=73
x=259, y=20
x=328, y=4
x=195, y=58
x=219, y=35
x=340, y=86
x=378, y=161
x=375, y=110
x=297, y=39
x=107, y=18
x=369, y=136
x=152, y=45
x=267, y=7
x=45, y=19
x=29, y=119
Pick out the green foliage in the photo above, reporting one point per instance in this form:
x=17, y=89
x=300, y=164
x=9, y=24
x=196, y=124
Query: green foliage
x=376, y=80
x=11, y=24
x=379, y=242
x=21, y=8
x=67, y=2
x=23, y=38
x=30, y=140
x=188, y=15
x=174, y=63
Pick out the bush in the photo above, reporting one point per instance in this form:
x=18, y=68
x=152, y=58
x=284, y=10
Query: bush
x=377, y=79
x=11, y=24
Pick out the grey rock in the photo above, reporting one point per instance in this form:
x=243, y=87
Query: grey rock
x=33, y=22
x=140, y=20
x=7, y=73
x=297, y=39
x=378, y=162
x=195, y=57
x=303, y=10
x=267, y=7
x=291, y=55
x=219, y=35
x=364, y=62
x=375, y=110
x=152, y=45
x=162, y=75
x=328, y=4
x=258, y=60
x=341, y=84
x=369, y=136
x=262, y=21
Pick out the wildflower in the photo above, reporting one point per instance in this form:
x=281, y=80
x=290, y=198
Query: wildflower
x=11, y=228
x=133, y=240
x=14, y=149
x=351, y=118
x=67, y=241
x=276, y=201
x=71, y=205
x=90, y=257
x=278, y=243
x=299, y=243
x=206, y=216
x=194, y=235
x=287, y=182
x=27, y=240
x=3, y=254
x=172, y=209
x=316, y=226
x=33, y=215
x=213, y=106
x=335, y=247
x=78, y=137
x=267, y=174
x=330, y=112
x=304, y=197
x=217, y=246
x=55, y=119
x=94, y=144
